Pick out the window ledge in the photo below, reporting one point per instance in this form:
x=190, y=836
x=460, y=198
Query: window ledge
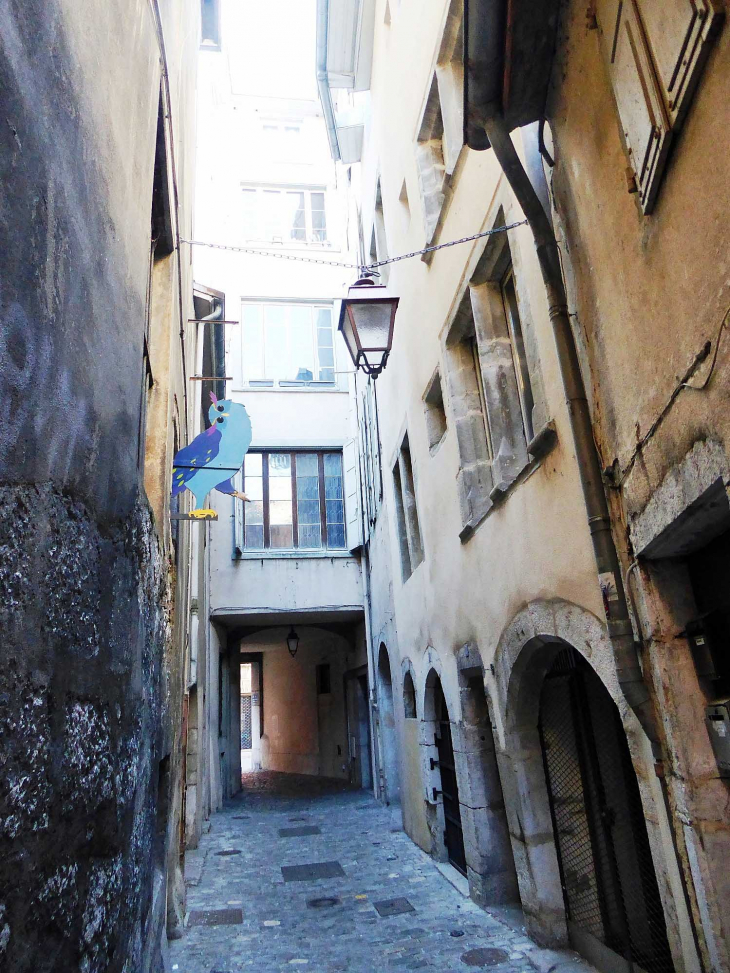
x=307, y=389
x=289, y=555
x=538, y=448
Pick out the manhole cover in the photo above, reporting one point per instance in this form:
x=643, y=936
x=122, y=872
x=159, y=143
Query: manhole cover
x=215, y=917
x=456, y=933
x=324, y=903
x=484, y=956
x=311, y=872
x=301, y=832
x=227, y=852
x=393, y=907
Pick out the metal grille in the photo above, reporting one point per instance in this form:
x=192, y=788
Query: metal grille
x=607, y=872
x=246, y=722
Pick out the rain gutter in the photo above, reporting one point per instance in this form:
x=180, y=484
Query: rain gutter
x=323, y=86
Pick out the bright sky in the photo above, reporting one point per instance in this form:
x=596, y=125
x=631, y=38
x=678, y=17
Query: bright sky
x=271, y=46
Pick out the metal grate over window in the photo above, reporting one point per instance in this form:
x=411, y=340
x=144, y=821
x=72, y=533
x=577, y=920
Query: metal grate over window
x=246, y=722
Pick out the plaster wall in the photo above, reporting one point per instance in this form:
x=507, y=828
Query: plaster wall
x=647, y=293
x=531, y=548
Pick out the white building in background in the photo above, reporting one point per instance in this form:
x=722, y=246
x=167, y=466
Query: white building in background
x=283, y=560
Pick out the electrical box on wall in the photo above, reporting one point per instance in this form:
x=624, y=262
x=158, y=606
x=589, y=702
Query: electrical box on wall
x=718, y=725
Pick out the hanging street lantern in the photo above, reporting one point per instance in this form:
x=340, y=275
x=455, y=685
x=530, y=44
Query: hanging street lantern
x=366, y=323
x=292, y=642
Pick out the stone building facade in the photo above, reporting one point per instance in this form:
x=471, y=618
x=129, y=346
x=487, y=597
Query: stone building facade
x=95, y=359
x=535, y=742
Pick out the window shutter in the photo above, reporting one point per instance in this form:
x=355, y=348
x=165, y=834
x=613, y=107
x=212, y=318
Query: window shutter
x=237, y=516
x=644, y=120
x=679, y=33
x=352, y=495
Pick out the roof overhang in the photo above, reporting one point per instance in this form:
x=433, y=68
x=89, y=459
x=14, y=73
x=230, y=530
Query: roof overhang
x=508, y=55
x=345, y=33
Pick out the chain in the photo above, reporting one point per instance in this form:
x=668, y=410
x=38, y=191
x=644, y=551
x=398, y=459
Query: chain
x=364, y=267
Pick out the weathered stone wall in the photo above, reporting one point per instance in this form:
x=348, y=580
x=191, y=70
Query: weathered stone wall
x=89, y=667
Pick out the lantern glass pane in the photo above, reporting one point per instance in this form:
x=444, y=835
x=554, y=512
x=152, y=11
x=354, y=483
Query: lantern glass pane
x=373, y=324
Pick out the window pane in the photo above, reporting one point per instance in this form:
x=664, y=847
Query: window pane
x=253, y=341
x=327, y=357
x=254, y=513
x=253, y=487
x=279, y=488
x=279, y=464
x=280, y=512
x=308, y=487
x=254, y=538
x=324, y=318
x=308, y=512
x=326, y=374
x=333, y=464
x=307, y=465
x=335, y=512
x=310, y=536
x=281, y=537
x=319, y=219
x=301, y=351
x=272, y=216
x=333, y=487
x=252, y=464
x=335, y=535
x=275, y=337
x=294, y=216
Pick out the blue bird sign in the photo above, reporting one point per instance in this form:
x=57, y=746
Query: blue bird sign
x=213, y=458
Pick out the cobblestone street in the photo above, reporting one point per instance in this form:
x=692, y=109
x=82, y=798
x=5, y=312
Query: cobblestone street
x=383, y=905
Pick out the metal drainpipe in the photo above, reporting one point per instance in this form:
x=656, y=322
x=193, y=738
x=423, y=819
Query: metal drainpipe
x=628, y=668
x=219, y=346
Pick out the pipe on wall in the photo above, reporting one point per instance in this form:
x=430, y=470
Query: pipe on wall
x=628, y=667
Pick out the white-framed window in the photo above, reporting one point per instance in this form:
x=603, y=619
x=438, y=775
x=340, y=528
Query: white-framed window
x=287, y=344
x=280, y=214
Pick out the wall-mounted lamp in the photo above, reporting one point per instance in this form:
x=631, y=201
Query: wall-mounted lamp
x=367, y=317
x=292, y=642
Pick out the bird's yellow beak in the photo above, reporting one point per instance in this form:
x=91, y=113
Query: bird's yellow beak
x=225, y=413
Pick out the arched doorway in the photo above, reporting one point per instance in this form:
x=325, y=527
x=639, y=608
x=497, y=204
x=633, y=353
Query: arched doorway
x=386, y=730
x=453, y=829
x=614, y=911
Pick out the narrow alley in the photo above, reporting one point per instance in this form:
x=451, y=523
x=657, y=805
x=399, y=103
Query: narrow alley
x=255, y=904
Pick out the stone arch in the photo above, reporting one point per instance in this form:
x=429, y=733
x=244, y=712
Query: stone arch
x=527, y=650
x=410, y=709
x=385, y=728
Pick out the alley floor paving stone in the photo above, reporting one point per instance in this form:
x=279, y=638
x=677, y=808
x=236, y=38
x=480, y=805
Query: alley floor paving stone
x=331, y=924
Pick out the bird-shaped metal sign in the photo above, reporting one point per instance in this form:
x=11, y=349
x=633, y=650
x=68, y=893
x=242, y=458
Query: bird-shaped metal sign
x=213, y=458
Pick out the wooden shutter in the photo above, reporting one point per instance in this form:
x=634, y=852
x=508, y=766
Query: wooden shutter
x=644, y=120
x=680, y=33
x=655, y=50
x=352, y=495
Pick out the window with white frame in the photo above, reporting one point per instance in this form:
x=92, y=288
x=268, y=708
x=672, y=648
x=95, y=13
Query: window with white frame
x=287, y=344
x=284, y=214
x=296, y=502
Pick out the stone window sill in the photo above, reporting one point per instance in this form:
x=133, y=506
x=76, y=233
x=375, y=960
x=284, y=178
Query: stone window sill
x=288, y=555
x=538, y=448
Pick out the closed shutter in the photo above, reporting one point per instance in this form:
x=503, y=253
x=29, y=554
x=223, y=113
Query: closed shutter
x=680, y=34
x=352, y=495
x=644, y=120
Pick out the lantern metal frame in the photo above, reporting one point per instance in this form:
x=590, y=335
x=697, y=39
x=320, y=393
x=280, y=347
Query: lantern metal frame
x=363, y=291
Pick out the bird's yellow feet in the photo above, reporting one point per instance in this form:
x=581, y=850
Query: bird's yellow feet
x=204, y=514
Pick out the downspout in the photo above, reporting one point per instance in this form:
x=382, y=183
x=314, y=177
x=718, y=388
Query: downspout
x=628, y=667
x=323, y=86
x=218, y=348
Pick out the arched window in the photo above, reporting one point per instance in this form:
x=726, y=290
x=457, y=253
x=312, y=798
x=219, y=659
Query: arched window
x=409, y=697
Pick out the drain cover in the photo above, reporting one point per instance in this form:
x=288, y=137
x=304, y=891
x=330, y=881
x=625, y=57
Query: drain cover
x=315, y=870
x=393, y=907
x=456, y=933
x=301, y=818
x=299, y=832
x=484, y=956
x=241, y=817
x=215, y=917
x=227, y=852
x=324, y=903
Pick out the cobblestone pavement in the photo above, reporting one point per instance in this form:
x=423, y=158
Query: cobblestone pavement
x=334, y=923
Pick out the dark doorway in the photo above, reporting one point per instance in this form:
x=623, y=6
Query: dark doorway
x=615, y=915
x=358, y=728
x=453, y=832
